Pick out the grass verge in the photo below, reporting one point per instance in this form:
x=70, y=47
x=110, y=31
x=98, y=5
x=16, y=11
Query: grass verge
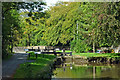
x=32, y=69
x=98, y=54
x=94, y=54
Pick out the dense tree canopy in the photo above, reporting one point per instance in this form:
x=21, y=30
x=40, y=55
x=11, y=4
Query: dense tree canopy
x=92, y=24
x=14, y=26
x=82, y=25
x=10, y=27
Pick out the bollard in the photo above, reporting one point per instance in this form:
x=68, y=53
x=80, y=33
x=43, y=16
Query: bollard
x=61, y=54
x=70, y=53
x=55, y=54
x=32, y=48
x=36, y=55
x=38, y=48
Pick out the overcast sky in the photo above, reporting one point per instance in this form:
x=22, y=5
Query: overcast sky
x=49, y=3
x=52, y=2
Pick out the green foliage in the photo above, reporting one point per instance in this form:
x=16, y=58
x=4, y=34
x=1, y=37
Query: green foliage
x=79, y=46
x=10, y=27
x=32, y=29
x=60, y=25
x=95, y=24
x=31, y=52
x=83, y=25
x=18, y=30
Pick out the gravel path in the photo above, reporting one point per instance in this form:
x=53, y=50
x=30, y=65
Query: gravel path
x=9, y=66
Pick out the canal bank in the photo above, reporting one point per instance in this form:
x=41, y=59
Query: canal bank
x=47, y=71
x=45, y=65
x=86, y=68
x=40, y=68
x=87, y=71
x=100, y=58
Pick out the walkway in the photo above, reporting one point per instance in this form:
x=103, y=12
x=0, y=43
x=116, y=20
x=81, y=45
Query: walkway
x=9, y=66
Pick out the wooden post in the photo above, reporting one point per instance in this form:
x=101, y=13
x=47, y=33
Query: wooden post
x=32, y=48
x=45, y=48
x=36, y=55
x=71, y=53
x=38, y=48
x=54, y=52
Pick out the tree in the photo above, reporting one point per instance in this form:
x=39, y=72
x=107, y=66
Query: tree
x=60, y=24
x=32, y=31
x=91, y=23
x=109, y=25
x=10, y=27
x=69, y=21
x=33, y=23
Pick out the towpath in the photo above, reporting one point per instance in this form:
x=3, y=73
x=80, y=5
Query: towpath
x=9, y=66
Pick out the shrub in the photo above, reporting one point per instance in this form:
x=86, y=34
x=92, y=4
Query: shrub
x=79, y=46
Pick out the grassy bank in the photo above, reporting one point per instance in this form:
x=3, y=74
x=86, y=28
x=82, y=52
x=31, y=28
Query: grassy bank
x=96, y=57
x=98, y=54
x=94, y=54
x=33, y=69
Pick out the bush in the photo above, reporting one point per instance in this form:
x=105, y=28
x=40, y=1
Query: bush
x=79, y=46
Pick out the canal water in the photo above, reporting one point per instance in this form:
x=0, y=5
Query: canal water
x=71, y=70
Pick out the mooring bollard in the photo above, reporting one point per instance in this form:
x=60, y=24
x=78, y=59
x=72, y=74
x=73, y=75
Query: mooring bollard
x=55, y=53
x=38, y=48
x=70, y=53
x=32, y=48
x=36, y=55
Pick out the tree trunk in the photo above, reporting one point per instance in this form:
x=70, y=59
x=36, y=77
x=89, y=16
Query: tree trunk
x=93, y=47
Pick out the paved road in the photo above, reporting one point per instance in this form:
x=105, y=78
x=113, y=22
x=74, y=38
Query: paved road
x=9, y=66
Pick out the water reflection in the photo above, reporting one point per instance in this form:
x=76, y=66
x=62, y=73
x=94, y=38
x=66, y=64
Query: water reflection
x=70, y=66
x=94, y=71
x=69, y=70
